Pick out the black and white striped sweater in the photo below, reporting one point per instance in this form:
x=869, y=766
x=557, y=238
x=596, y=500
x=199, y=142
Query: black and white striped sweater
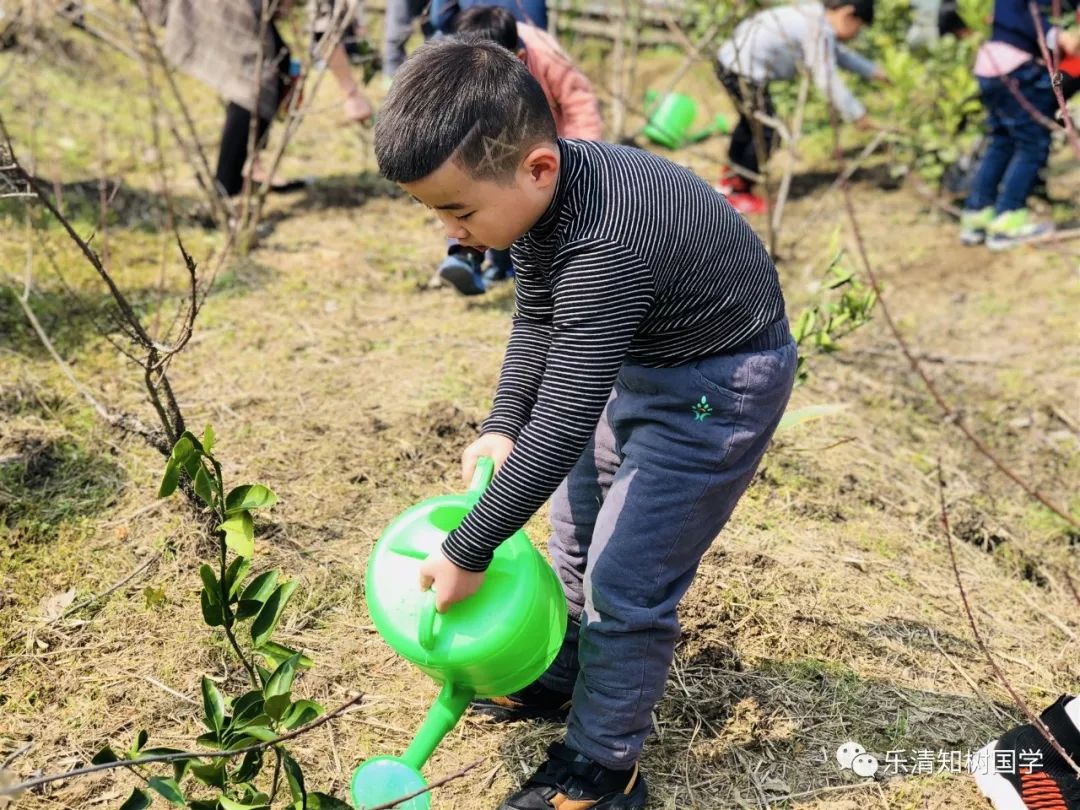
x=636, y=259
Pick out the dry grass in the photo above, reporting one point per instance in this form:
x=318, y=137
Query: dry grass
x=827, y=610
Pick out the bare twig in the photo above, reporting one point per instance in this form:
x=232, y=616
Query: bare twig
x=436, y=784
x=777, y=218
x=13, y=790
x=1032, y=717
x=193, y=151
x=300, y=105
x=14, y=755
x=971, y=682
x=88, y=601
x=1072, y=587
x=1055, y=78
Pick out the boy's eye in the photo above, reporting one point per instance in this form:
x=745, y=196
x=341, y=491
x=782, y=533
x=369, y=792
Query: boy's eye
x=464, y=217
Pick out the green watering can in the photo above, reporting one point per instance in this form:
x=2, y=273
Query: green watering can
x=497, y=641
x=670, y=120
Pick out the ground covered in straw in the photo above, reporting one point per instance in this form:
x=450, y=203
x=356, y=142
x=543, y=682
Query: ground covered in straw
x=827, y=611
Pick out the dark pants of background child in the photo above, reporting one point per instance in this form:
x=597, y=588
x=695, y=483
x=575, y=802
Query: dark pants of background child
x=233, y=152
x=748, y=98
x=232, y=155
x=672, y=454
x=1018, y=144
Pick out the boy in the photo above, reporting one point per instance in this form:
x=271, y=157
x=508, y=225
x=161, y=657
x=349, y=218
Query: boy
x=648, y=365
x=572, y=102
x=1016, y=90
x=774, y=45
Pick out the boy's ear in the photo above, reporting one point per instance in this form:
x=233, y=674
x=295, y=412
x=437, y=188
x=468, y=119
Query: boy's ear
x=542, y=164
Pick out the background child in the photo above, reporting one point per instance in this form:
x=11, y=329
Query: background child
x=1016, y=90
x=648, y=366
x=775, y=45
x=569, y=94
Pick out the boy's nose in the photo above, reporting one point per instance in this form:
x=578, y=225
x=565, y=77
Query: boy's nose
x=455, y=230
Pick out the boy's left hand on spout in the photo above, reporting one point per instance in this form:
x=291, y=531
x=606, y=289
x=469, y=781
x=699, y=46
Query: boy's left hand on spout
x=451, y=583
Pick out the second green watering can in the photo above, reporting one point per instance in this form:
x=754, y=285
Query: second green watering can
x=497, y=641
x=670, y=119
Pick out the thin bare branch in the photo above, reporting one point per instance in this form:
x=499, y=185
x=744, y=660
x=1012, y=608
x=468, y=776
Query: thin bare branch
x=1032, y=717
x=436, y=784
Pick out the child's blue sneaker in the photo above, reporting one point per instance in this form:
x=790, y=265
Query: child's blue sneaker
x=462, y=269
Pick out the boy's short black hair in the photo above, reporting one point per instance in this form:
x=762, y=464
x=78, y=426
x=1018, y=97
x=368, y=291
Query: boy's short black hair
x=466, y=99
x=863, y=9
x=488, y=22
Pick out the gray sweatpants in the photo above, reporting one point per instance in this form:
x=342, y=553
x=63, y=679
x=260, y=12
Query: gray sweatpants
x=672, y=454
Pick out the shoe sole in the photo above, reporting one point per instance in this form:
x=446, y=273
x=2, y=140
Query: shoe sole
x=1010, y=242
x=461, y=278
x=971, y=240
x=998, y=790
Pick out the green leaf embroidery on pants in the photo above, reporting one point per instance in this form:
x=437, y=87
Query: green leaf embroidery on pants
x=701, y=409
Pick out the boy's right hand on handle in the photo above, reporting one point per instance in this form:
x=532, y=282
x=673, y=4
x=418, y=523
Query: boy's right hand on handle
x=494, y=445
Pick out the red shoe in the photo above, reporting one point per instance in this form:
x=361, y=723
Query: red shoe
x=731, y=183
x=747, y=203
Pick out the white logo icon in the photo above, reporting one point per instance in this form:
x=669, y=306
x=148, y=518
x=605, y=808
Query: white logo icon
x=847, y=752
x=852, y=755
x=864, y=765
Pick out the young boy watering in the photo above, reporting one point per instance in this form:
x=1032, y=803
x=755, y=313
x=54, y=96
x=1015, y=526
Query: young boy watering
x=774, y=45
x=648, y=365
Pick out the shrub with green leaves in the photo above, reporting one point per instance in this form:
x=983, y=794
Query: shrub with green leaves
x=822, y=325
x=240, y=731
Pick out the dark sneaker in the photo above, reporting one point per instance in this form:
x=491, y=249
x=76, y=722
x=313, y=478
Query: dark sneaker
x=534, y=702
x=572, y=781
x=1022, y=771
x=462, y=269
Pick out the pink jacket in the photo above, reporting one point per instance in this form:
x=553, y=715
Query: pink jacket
x=569, y=93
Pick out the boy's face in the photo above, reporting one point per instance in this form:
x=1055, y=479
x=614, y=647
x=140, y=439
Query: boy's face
x=844, y=22
x=484, y=214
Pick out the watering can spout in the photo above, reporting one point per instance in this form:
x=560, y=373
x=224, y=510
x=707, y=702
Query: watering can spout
x=443, y=715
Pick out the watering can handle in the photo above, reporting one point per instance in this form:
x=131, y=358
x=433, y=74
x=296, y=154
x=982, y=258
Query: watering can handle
x=482, y=475
x=426, y=635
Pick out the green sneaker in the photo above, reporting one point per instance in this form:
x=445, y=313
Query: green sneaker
x=1013, y=228
x=973, y=225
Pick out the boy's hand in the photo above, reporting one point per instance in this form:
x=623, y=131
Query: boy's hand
x=494, y=445
x=866, y=123
x=879, y=75
x=1069, y=42
x=451, y=584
